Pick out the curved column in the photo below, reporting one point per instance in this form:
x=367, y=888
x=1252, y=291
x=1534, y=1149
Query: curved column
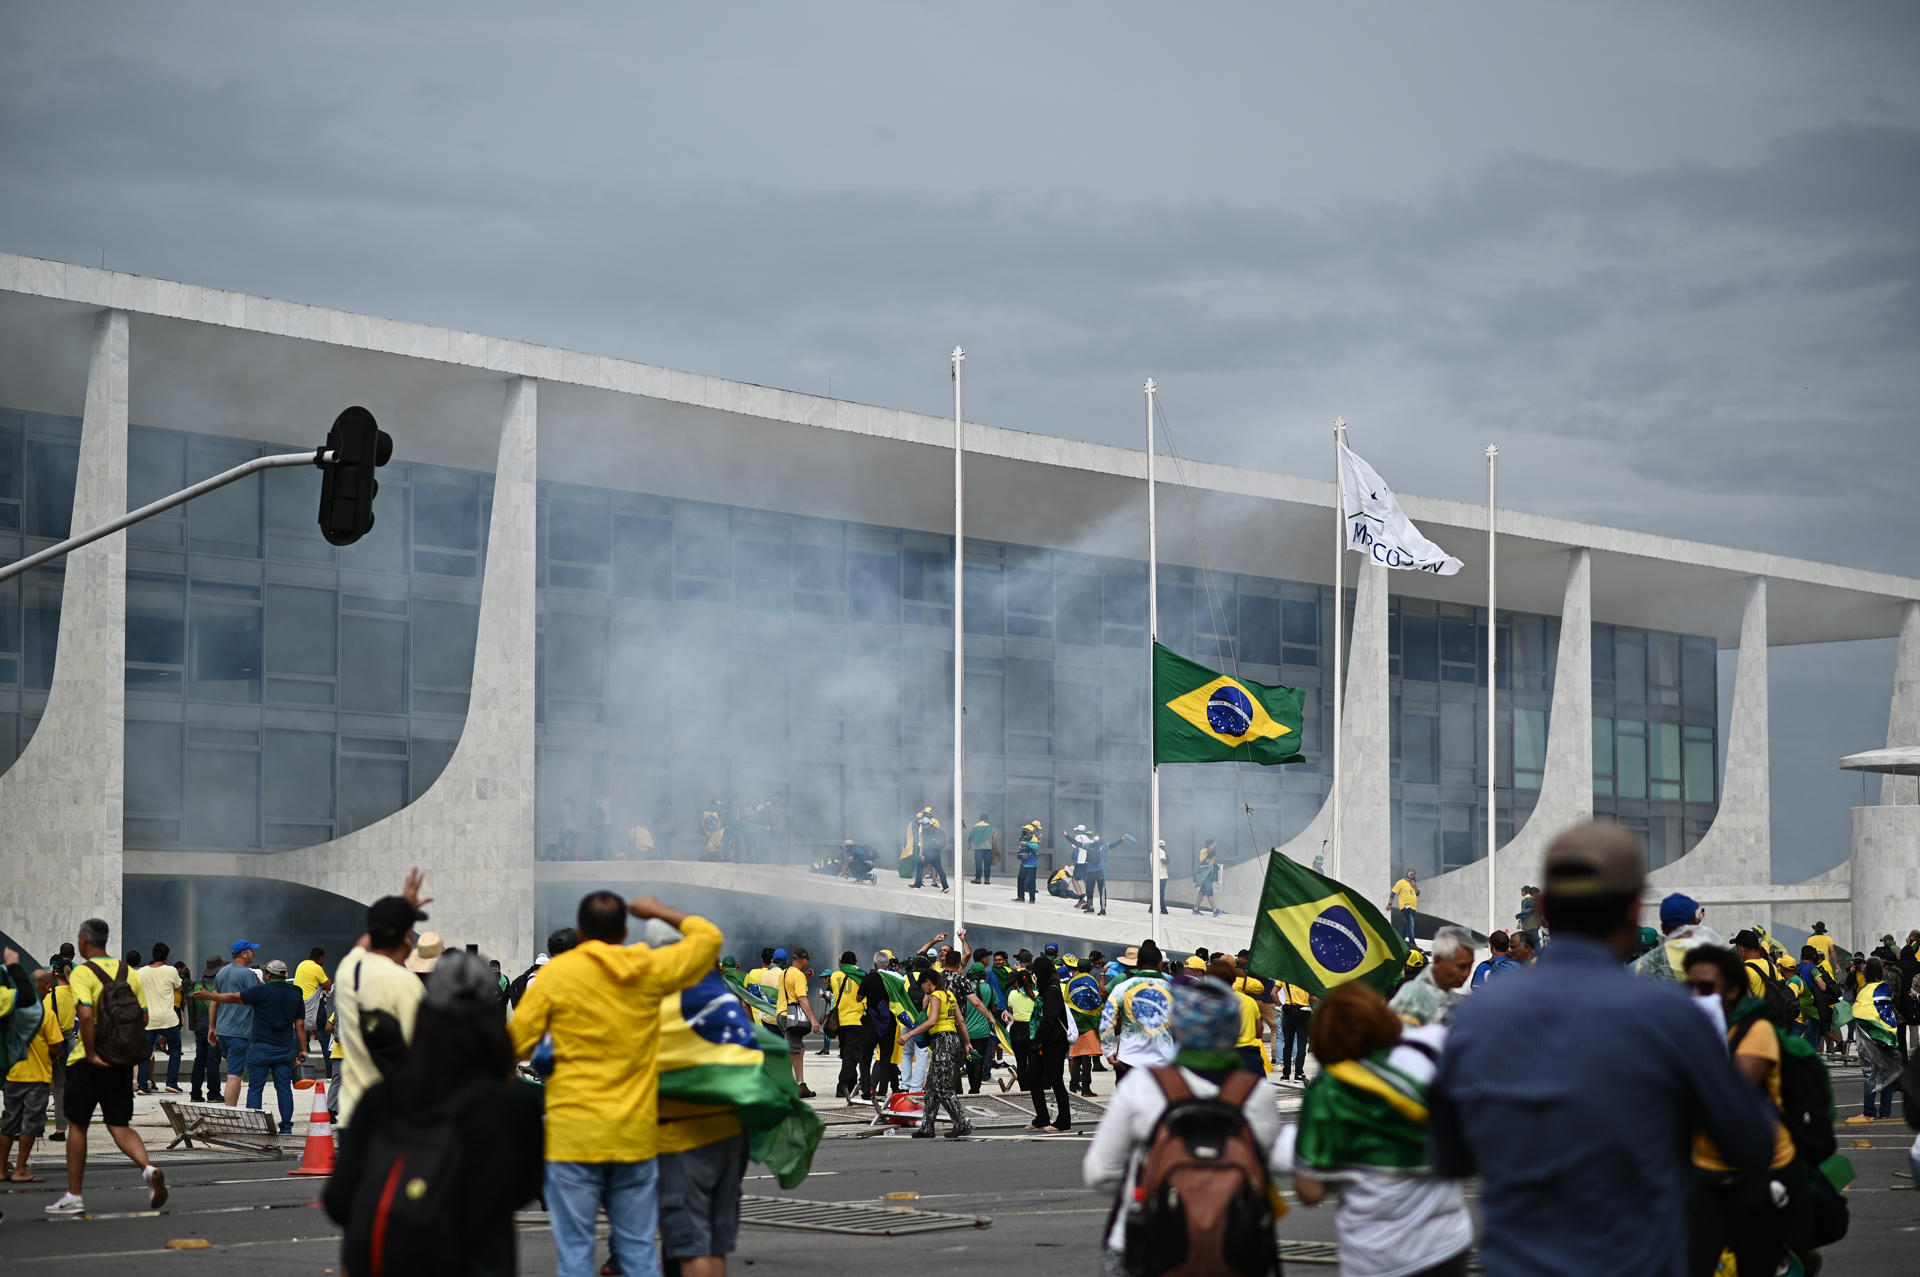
x=61, y=801
x=1903, y=717
x=1366, y=758
x=1566, y=785
x=1886, y=838
x=472, y=832
x=1739, y=847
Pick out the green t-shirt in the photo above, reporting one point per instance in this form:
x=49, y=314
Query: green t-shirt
x=981, y=836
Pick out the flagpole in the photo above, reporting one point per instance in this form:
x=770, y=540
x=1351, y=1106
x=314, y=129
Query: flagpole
x=959, y=644
x=1154, y=882
x=1339, y=612
x=1493, y=681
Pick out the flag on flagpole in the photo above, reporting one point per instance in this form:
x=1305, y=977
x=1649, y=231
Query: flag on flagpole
x=1203, y=716
x=1378, y=528
x=1316, y=933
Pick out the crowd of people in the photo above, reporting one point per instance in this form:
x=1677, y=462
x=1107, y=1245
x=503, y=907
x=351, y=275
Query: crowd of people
x=1673, y=1092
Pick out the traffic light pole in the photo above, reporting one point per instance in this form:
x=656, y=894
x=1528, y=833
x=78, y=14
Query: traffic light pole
x=319, y=456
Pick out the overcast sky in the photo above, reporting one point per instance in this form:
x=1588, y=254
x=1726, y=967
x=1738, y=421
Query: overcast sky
x=1667, y=255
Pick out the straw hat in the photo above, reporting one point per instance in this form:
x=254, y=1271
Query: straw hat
x=426, y=951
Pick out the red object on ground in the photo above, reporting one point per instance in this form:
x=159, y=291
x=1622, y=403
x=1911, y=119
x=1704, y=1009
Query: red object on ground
x=905, y=1108
x=318, y=1157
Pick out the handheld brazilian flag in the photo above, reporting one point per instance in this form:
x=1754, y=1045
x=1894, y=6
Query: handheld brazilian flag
x=753, y=995
x=1318, y=934
x=1202, y=716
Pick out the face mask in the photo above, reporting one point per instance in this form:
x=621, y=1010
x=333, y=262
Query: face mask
x=1715, y=1010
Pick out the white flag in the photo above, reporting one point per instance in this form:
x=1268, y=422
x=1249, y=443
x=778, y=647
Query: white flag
x=1378, y=528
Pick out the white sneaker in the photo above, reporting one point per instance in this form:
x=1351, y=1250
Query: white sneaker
x=69, y=1204
x=156, y=1179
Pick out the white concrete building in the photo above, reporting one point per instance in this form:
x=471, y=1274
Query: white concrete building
x=603, y=598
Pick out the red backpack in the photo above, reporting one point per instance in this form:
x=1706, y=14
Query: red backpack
x=1200, y=1206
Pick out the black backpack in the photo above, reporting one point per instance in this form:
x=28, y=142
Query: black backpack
x=119, y=1021
x=1781, y=1006
x=1200, y=1205
x=405, y=1214
x=1806, y=1094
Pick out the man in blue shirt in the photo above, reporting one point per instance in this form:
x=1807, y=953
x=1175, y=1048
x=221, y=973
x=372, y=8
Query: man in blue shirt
x=229, y=1027
x=1618, y=1073
x=279, y=1035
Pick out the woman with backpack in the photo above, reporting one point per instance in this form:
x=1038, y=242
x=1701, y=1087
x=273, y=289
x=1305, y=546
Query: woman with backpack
x=1396, y=1218
x=455, y=1127
x=1185, y=1148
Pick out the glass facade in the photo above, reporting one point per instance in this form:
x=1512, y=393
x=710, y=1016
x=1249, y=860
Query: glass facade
x=796, y=671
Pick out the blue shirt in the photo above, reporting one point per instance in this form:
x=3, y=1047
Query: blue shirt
x=1614, y=1076
x=235, y=1022
x=276, y=1007
x=1029, y=854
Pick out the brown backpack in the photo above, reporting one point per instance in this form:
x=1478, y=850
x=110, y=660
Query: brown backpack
x=119, y=1021
x=1200, y=1205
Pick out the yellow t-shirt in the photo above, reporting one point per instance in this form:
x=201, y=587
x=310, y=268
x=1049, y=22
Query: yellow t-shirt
x=847, y=1000
x=1405, y=894
x=63, y=1006
x=1824, y=944
x=1760, y=1043
x=1249, y=1022
x=945, y=1020
x=791, y=987
x=86, y=988
x=1756, y=983
x=367, y=981
x=37, y=1064
x=601, y=1003
x=162, y=986
x=308, y=977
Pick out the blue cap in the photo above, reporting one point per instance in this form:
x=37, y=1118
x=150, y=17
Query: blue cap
x=779, y=955
x=1678, y=910
x=241, y=946
x=1052, y=950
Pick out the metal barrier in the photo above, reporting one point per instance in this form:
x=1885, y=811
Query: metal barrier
x=217, y=1126
x=854, y=1219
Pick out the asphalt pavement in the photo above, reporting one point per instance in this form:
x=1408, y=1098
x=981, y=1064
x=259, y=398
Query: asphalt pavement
x=255, y=1218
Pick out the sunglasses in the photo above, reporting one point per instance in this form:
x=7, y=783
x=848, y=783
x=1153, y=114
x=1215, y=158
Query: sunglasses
x=1705, y=988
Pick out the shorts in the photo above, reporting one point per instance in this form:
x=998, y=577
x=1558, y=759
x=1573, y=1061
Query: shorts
x=109, y=1088
x=25, y=1115
x=796, y=1042
x=700, y=1198
x=235, y=1049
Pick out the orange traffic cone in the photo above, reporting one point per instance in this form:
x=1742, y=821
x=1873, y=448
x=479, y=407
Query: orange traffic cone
x=318, y=1157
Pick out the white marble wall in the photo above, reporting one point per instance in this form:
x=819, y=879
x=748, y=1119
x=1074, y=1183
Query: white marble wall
x=472, y=832
x=61, y=801
x=1366, y=761
x=1886, y=838
x=1739, y=847
x=1566, y=786
x=1903, y=718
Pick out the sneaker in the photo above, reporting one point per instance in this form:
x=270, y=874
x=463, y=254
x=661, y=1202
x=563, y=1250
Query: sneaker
x=156, y=1179
x=58, y=1137
x=1103, y=913
x=1219, y=912
x=69, y=1204
x=174, y=1090
x=919, y=1133
x=806, y=1092
x=959, y=1132
x=1198, y=912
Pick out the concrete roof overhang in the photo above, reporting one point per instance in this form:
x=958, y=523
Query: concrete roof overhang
x=208, y=360
x=1901, y=760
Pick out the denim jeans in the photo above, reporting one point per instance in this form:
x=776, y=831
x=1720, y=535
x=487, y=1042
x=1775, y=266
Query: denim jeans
x=1406, y=920
x=1024, y=885
x=631, y=1193
x=282, y=1073
x=913, y=1065
x=170, y=1038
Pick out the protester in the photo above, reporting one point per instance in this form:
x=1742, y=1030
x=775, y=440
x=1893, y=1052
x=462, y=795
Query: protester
x=101, y=990
x=310, y=977
x=278, y=1040
x=162, y=987
x=1363, y=1136
x=1749, y=1213
x=882, y=1027
x=375, y=998
x=427, y=949
x=1138, y=1013
x=1049, y=1033
x=924, y=837
x=1247, y=1045
x=1018, y=1017
x=1405, y=903
x=1206, y=876
x=1522, y=947
x=941, y=1028
x=29, y=1083
x=455, y=1100
x=1682, y=929
x=64, y=1009
x=984, y=839
x=848, y=1012
x=1617, y=1071
x=601, y=1004
x=229, y=1027
x=1877, y=1037
x=1499, y=959
x=1205, y=1023
x=1432, y=996
x=978, y=1007
x=1158, y=896
x=794, y=1015
x=1029, y=850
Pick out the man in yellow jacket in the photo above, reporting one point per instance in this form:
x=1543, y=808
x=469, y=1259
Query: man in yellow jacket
x=601, y=1003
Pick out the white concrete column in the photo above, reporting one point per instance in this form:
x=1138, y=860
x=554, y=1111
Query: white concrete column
x=1566, y=785
x=1366, y=759
x=472, y=832
x=1739, y=847
x=1903, y=717
x=61, y=801
x=1885, y=864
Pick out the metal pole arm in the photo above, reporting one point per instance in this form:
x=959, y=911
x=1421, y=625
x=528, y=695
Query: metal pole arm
x=318, y=456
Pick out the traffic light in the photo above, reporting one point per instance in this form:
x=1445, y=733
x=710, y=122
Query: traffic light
x=347, y=487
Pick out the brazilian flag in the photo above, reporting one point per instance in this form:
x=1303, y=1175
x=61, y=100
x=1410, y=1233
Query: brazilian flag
x=1319, y=934
x=1202, y=716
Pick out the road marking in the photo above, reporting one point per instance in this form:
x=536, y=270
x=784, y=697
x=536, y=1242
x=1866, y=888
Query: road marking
x=67, y=1257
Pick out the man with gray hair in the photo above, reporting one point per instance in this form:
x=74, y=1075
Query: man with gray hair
x=1431, y=996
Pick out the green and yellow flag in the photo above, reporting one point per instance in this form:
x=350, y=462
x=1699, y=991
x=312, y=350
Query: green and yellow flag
x=1316, y=933
x=1202, y=716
